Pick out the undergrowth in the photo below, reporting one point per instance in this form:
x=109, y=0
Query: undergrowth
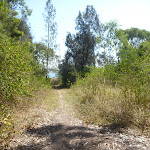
x=102, y=102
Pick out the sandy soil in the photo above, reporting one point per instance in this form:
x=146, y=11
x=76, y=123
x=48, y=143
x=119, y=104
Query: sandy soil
x=61, y=130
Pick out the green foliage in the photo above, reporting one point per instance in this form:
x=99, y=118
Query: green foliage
x=81, y=46
x=9, y=22
x=118, y=93
x=108, y=43
x=54, y=81
x=129, y=71
x=21, y=70
x=101, y=101
x=15, y=70
x=137, y=33
x=65, y=70
x=41, y=53
x=136, y=36
x=133, y=70
x=20, y=73
x=20, y=6
x=23, y=27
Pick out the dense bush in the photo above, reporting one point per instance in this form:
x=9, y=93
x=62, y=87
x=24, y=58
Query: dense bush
x=20, y=73
x=16, y=69
x=16, y=78
x=100, y=101
x=117, y=94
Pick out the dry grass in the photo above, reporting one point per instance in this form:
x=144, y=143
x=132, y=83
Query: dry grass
x=24, y=112
x=104, y=104
x=27, y=109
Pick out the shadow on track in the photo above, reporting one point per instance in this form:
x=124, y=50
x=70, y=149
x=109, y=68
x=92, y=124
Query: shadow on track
x=61, y=137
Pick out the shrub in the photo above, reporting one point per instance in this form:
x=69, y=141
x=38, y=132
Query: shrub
x=101, y=101
x=15, y=70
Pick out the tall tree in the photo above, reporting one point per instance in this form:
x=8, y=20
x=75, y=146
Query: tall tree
x=51, y=28
x=81, y=47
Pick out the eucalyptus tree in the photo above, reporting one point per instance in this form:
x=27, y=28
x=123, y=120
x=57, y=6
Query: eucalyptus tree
x=51, y=28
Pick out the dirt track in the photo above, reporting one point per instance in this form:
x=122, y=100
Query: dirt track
x=61, y=130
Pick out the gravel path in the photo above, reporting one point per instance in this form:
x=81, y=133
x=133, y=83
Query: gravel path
x=61, y=130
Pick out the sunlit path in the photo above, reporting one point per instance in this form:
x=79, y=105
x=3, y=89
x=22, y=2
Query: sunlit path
x=61, y=129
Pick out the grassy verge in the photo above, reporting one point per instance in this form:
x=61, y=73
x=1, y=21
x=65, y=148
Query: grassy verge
x=101, y=103
x=21, y=115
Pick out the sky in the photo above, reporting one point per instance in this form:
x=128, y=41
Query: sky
x=128, y=13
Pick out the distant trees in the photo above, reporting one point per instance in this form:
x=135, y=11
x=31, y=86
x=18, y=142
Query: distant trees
x=113, y=40
x=108, y=44
x=20, y=5
x=136, y=36
x=40, y=54
x=81, y=46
